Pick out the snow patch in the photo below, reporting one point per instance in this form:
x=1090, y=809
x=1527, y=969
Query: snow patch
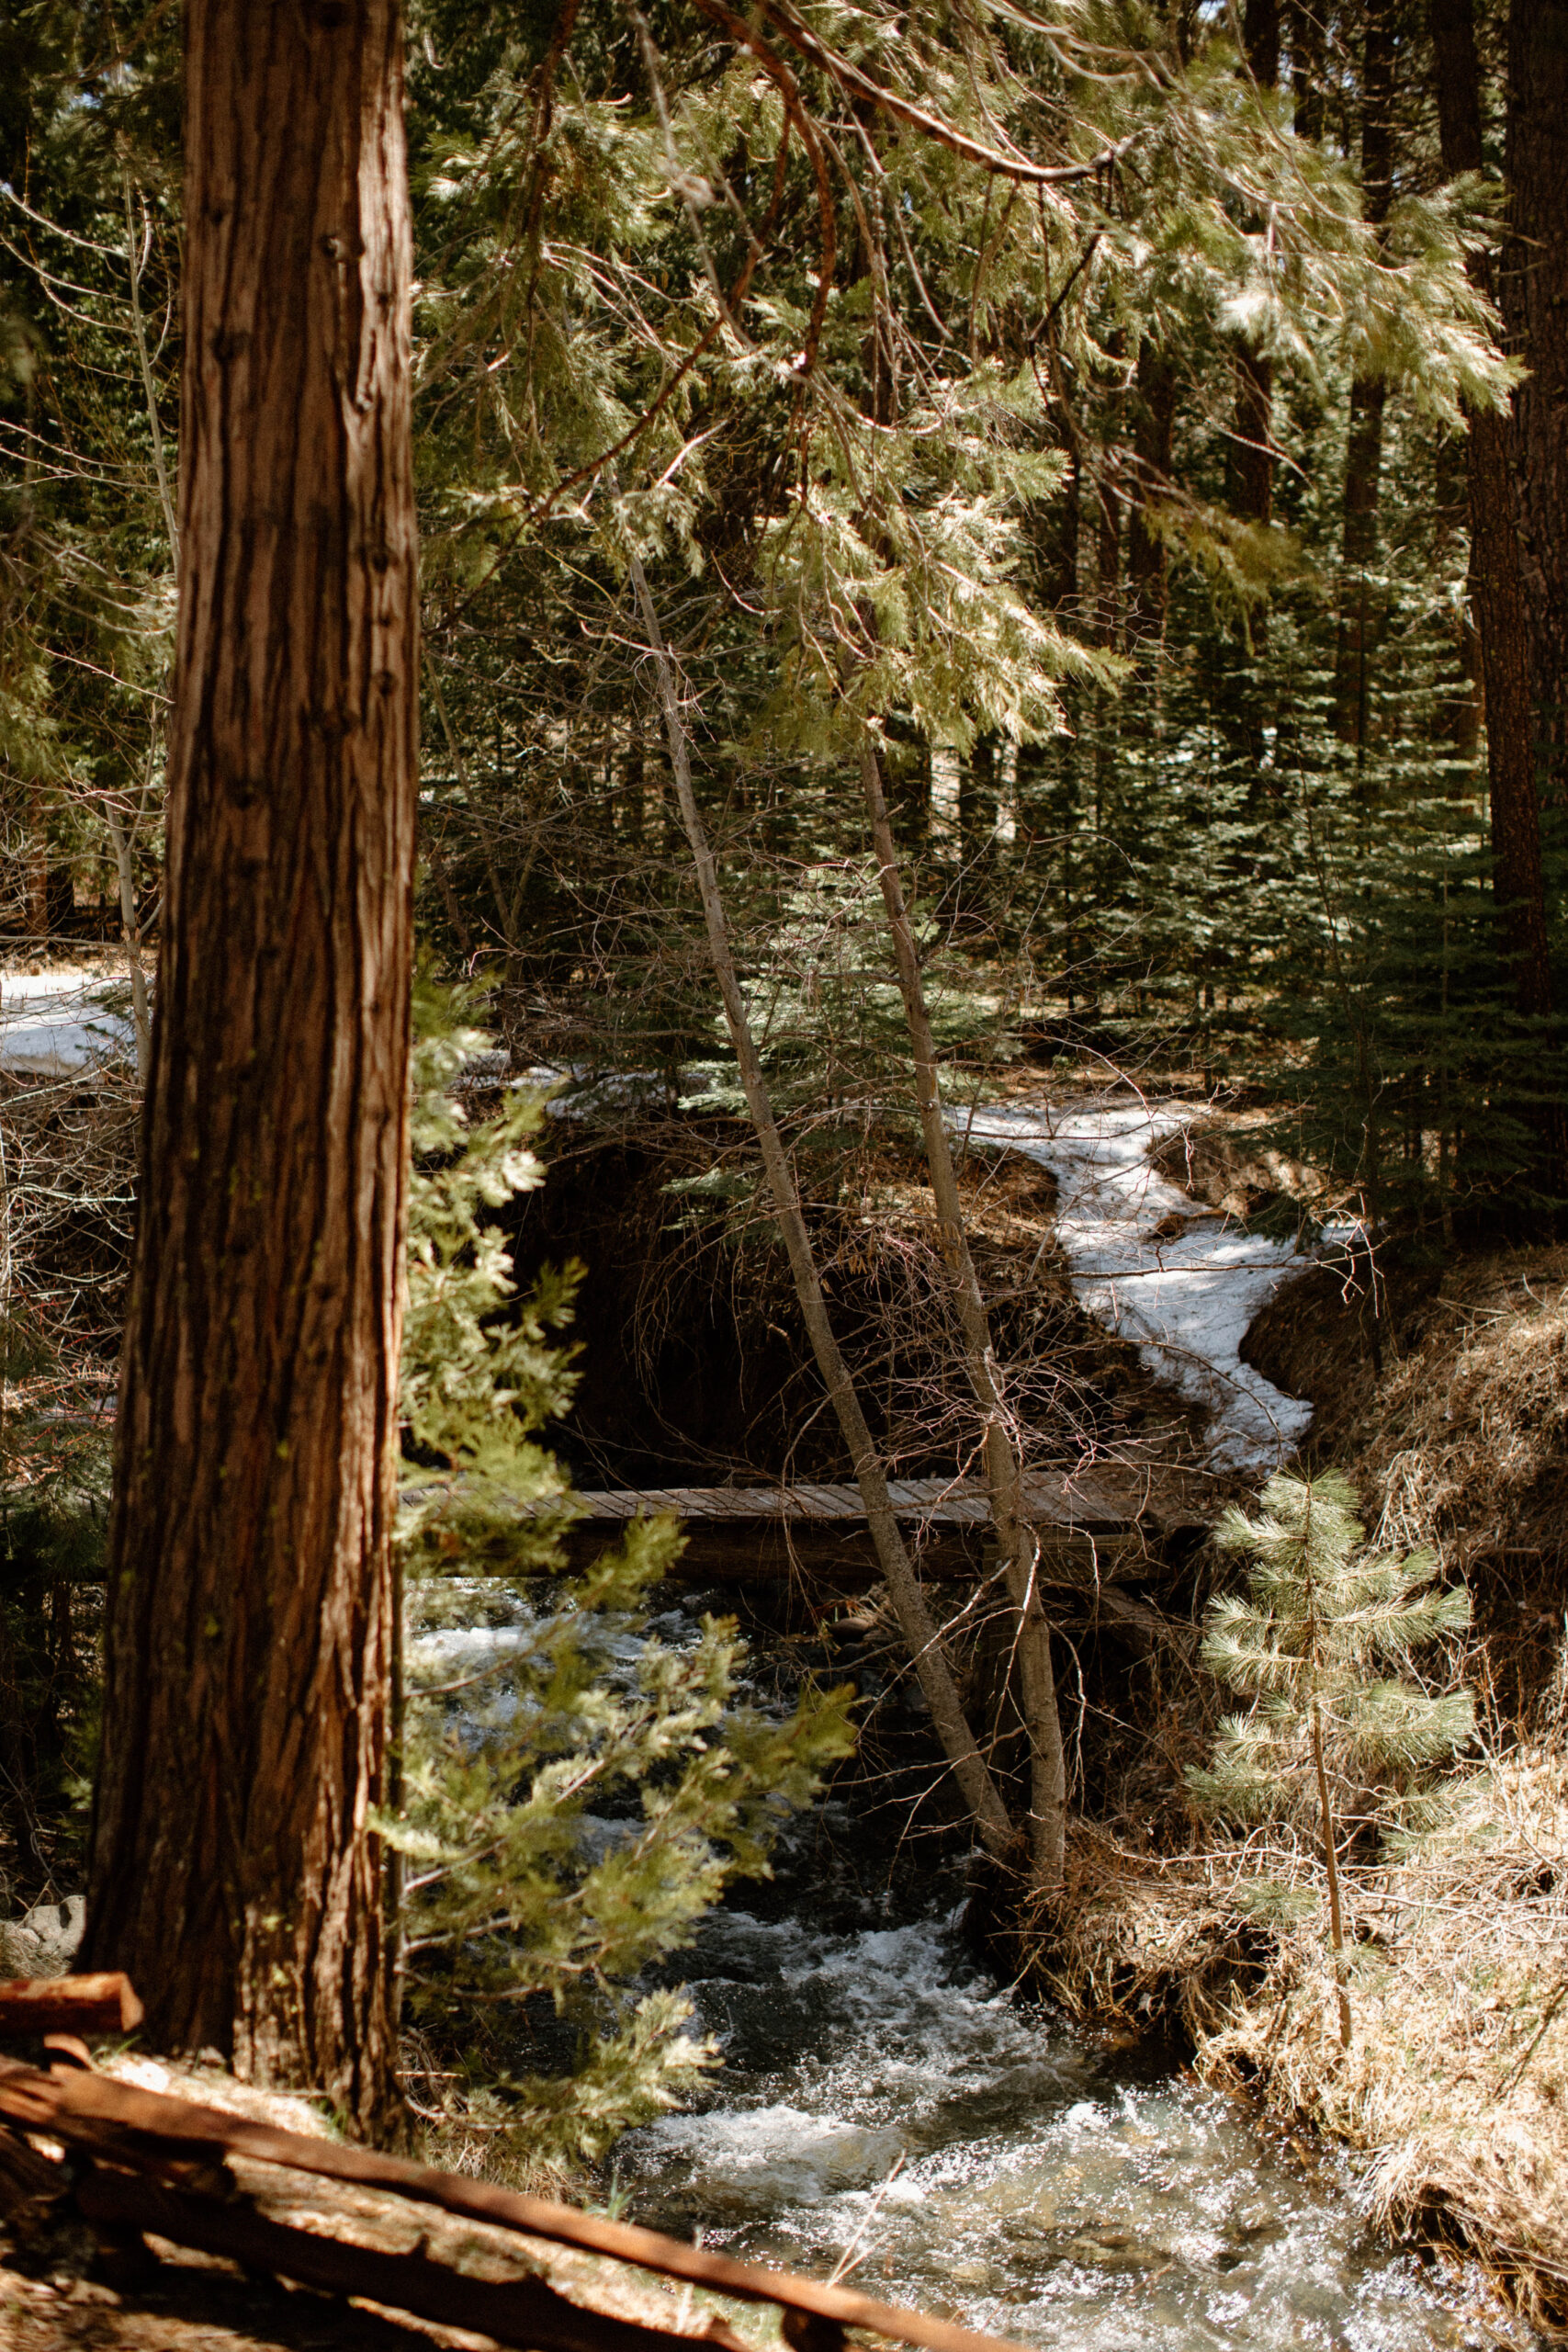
x=1183, y=1282
x=57, y=1024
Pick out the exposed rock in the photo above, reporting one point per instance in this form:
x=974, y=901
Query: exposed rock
x=44, y=1941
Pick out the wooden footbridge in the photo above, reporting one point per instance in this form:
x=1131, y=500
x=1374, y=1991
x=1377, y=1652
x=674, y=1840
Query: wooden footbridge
x=1090, y=1524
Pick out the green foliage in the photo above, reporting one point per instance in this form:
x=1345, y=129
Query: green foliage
x=1322, y=1642
x=931, y=534
x=89, y=245
x=54, y=1494
x=827, y=1013
x=577, y=1791
x=928, y=533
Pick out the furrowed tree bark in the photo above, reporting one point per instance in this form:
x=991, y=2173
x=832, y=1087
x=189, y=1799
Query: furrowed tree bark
x=1252, y=485
x=1307, y=35
x=1359, y=614
x=251, y=1607
x=1252, y=460
x=1261, y=40
x=970, y=1769
x=979, y=809
x=1154, y=427
x=1249, y=466
x=1534, y=274
x=1251, y=454
x=1495, y=586
x=1016, y=1540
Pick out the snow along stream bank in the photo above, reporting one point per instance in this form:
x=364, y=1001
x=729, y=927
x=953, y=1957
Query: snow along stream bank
x=1183, y=1282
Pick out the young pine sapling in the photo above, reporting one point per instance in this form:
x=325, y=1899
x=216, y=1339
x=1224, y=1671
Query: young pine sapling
x=1339, y=1732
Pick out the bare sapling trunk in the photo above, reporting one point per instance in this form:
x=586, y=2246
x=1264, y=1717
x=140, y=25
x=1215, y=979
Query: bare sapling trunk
x=1019, y=1544
x=970, y=1769
x=135, y=254
x=250, y=1621
x=123, y=837
x=1331, y=1862
x=130, y=930
x=36, y=921
x=122, y=830
x=1325, y=1801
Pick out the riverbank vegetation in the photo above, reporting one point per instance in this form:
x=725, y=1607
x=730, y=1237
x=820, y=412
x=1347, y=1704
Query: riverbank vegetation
x=1450, y=2087
x=964, y=558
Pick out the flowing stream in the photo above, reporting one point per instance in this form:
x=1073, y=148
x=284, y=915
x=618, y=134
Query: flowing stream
x=887, y=2111
x=883, y=2101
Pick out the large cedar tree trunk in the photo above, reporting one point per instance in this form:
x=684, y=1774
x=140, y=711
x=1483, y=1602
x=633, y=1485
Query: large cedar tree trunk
x=1495, y=587
x=251, y=1625
x=1536, y=313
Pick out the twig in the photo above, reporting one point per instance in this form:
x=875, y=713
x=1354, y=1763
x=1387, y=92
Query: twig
x=846, y=2262
x=1536, y=2040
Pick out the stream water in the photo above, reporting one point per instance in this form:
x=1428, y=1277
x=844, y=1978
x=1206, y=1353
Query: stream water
x=883, y=2100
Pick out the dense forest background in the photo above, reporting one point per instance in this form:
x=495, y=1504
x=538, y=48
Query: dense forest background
x=1123, y=497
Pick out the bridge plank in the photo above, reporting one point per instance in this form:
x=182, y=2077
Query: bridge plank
x=1052, y=1499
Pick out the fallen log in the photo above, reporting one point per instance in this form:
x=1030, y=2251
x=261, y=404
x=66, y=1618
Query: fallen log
x=135, y=2128
x=38, y=2005
x=26, y=2177
x=522, y=2310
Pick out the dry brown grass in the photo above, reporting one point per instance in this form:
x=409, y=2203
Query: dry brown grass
x=1455, y=2087
x=1456, y=2083
x=1459, y=1436
x=1151, y=1942
x=1463, y=1437
x=1470, y=1440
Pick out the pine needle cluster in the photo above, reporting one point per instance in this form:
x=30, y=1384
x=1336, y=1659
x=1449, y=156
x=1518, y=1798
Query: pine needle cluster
x=1323, y=1643
x=577, y=1791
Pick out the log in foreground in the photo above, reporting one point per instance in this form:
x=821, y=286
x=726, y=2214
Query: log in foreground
x=102, y=2004
x=523, y=2312
x=147, y=2130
